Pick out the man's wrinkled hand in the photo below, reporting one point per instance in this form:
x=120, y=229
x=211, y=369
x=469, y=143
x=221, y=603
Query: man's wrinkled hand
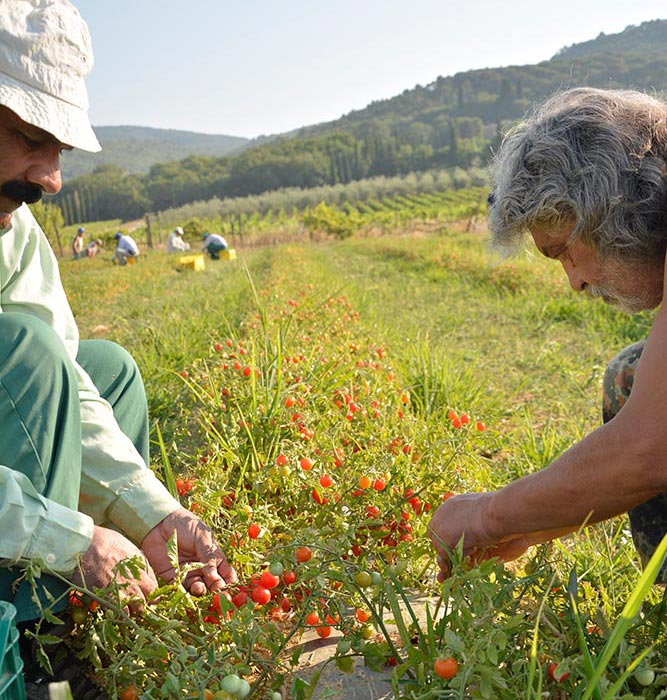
x=196, y=544
x=96, y=570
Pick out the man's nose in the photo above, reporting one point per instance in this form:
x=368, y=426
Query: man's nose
x=45, y=169
x=577, y=282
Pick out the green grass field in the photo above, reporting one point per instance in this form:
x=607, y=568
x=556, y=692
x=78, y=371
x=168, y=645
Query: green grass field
x=352, y=355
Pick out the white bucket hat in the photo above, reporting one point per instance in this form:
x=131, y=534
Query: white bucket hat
x=179, y=231
x=45, y=54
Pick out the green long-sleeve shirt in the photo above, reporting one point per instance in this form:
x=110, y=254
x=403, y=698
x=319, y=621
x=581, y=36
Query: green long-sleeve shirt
x=117, y=488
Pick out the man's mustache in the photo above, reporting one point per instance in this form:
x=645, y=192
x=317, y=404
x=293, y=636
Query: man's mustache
x=21, y=191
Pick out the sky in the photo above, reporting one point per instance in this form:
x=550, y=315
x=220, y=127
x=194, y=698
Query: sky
x=259, y=67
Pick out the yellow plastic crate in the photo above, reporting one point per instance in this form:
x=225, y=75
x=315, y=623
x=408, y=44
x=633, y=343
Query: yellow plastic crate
x=192, y=262
x=229, y=254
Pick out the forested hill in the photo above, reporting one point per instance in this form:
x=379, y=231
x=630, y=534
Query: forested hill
x=647, y=38
x=453, y=121
x=136, y=148
x=633, y=58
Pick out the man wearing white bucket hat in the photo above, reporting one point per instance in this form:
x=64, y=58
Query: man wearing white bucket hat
x=75, y=490
x=175, y=242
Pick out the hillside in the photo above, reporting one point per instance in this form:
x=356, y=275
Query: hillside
x=452, y=122
x=135, y=148
x=647, y=38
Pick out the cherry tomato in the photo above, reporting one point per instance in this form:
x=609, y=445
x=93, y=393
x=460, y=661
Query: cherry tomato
x=363, y=579
x=303, y=554
x=268, y=580
x=79, y=615
x=240, y=599
x=367, y=631
x=261, y=595
x=362, y=615
x=644, y=676
x=324, y=631
x=289, y=577
x=312, y=619
x=446, y=668
x=253, y=531
x=555, y=674
x=364, y=482
x=129, y=693
x=276, y=568
x=231, y=684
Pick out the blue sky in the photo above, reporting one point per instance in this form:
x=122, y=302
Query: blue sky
x=252, y=67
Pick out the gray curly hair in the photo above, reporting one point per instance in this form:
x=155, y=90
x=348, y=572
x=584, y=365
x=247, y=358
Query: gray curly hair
x=596, y=158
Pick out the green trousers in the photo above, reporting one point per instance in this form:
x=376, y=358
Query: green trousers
x=40, y=419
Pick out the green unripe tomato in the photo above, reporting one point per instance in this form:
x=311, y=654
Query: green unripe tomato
x=363, y=579
x=276, y=568
x=244, y=690
x=644, y=676
x=79, y=615
x=275, y=695
x=231, y=684
x=376, y=579
x=358, y=645
x=344, y=646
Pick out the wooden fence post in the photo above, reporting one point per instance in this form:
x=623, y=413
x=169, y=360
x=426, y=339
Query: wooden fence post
x=149, y=235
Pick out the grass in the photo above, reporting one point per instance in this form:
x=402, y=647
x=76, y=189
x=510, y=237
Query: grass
x=414, y=327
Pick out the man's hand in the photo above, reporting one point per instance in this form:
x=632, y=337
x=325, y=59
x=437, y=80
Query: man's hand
x=466, y=516
x=107, y=548
x=195, y=544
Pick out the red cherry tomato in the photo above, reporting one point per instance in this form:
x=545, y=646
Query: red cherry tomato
x=268, y=580
x=303, y=554
x=446, y=668
x=261, y=595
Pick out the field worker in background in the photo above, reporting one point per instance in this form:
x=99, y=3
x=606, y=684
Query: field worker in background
x=93, y=248
x=213, y=244
x=584, y=176
x=78, y=246
x=175, y=242
x=126, y=247
x=75, y=489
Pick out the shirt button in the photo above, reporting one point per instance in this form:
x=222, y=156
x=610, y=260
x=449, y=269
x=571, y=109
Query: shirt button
x=50, y=558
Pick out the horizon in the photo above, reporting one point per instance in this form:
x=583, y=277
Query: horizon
x=260, y=69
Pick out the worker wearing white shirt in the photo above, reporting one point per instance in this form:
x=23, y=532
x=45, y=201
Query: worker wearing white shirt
x=126, y=247
x=175, y=242
x=213, y=244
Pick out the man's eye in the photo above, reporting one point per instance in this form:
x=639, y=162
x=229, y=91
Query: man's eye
x=30, y=142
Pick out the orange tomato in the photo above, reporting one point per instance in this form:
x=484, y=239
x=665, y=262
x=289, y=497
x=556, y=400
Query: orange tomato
x=446, y=668
x=129, y=693
x=303, y=554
